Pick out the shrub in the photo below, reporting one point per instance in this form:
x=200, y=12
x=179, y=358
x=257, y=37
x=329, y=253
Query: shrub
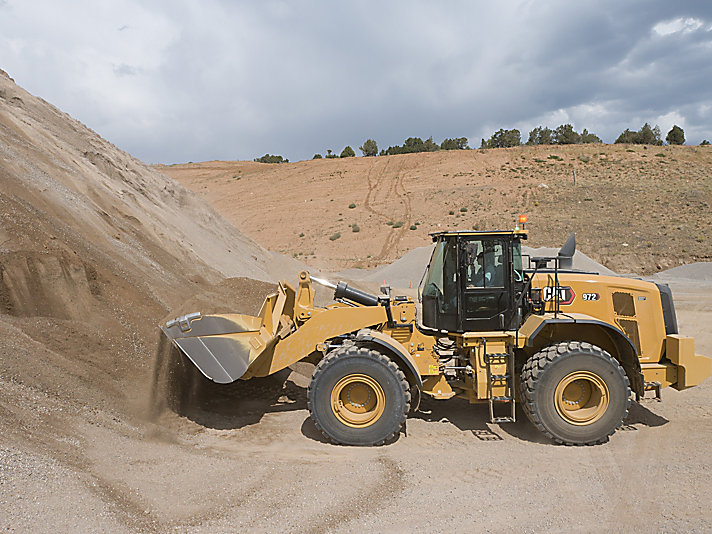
x=541, y=135
x=704, y=142
x=565, y=135
x=369, y=148
x=463, y=210
x=317, y=156
x=335, y=236
x=459, y=143
x=589, y=137
x=347, y=152
x=412, y=145
x=352, y=206
x=398, y=224
x=355, y=228
x=267, y=158
x=503, y=138
x=676, y=136
x=413, y=227
x=645, y=136
x=451, y=212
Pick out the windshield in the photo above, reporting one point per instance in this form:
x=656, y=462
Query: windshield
x=441, y=279
x=517, y=261
x=434, y=278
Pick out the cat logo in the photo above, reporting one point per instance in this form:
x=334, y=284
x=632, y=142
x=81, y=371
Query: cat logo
x=565, y=294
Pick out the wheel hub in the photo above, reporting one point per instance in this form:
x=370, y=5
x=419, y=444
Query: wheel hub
x=581, y=398
x=358, y=400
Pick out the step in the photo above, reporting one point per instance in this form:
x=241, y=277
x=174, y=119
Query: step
x=502, y=420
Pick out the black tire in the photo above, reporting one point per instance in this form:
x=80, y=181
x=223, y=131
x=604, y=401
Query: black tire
x=381, y=385
x=552, y=379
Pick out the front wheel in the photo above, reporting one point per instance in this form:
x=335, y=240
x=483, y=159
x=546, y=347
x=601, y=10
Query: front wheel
x=574, y=392
x=358, y=396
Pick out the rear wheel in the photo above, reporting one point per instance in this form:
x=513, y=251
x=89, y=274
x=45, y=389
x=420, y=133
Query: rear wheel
x=358, y=396
x=574, y=392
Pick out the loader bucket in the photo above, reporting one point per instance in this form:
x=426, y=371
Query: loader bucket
x=223, y=347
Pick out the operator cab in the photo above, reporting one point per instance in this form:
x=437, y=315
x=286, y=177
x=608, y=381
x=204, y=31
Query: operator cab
x=473, y=281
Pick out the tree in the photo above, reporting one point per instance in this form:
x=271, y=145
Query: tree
x=369, y=148
x=676, y=136
x=503, y=138
x=348, y=152
x=645, y=136
x=589, y=137
x=459, y=143
x=541, y=135
x=430, y=146
x=271, y=159
x=649, y=136
x=705, y=142
x=413, y=144
x=627, y=137
x=565, y=135
x=330, y=154
x=317, y=156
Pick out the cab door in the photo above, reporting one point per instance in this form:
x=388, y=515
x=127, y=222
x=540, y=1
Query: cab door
x=486, y=301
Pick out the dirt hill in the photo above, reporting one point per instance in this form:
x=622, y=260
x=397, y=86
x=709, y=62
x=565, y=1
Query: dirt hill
x=634, y=208
x=95, y=249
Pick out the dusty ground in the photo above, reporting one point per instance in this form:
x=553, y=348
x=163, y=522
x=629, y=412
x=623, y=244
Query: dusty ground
x=95, y=249
x=634, y=208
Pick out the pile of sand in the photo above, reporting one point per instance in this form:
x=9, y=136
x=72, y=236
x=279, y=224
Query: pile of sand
x=95, y=249
x=700, y=271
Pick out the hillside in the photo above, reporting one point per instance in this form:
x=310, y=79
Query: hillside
x=95, y=249
x=635, y=209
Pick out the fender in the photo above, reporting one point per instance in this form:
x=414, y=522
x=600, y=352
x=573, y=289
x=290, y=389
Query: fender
x=394, y=349
x=627, y=353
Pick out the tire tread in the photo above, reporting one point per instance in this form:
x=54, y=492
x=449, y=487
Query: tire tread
x=540, y=361
x=347, y=351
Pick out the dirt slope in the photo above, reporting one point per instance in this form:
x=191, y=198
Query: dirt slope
x=95, y=248
x=634, y=208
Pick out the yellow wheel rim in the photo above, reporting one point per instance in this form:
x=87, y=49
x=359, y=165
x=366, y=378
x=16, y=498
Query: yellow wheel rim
x=581, y=398
x=358, y=400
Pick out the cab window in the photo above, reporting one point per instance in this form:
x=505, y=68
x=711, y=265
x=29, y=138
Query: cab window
x=484, y=263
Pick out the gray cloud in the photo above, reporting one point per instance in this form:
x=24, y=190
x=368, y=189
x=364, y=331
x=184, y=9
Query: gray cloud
x=234, y=80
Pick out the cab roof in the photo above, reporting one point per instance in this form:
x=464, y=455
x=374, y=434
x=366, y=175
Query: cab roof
x=523, y=234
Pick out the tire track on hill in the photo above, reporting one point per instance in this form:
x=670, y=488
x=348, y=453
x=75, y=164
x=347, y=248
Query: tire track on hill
x=393, y=187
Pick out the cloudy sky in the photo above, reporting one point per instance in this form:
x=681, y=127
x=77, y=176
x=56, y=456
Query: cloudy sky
x=175, y=81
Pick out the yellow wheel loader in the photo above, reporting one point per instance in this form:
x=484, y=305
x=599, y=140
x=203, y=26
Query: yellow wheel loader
x=571, y=347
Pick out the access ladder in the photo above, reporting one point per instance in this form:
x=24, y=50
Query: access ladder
x=500, y=380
